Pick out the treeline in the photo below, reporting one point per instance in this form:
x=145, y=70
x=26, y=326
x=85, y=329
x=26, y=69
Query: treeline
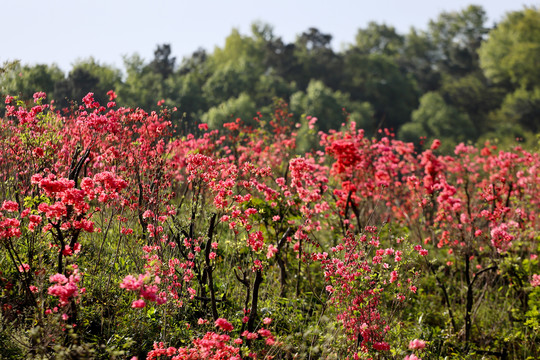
x=459, y=80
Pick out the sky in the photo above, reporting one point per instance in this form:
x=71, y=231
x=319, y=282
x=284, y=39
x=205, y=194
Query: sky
x=64, y=31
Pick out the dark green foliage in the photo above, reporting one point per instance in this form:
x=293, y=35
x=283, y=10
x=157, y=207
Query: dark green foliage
x=489, y=76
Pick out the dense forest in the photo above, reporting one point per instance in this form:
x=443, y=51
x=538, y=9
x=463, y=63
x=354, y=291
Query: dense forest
x=459, y=80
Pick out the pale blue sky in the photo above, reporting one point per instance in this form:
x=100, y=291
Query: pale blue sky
x=61, y=31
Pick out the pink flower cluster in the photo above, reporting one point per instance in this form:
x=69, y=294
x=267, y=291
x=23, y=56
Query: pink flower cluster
x=501, y=239
x=351, y=290
x=65, y=288
x=10, y=206
x=146, y=287
x=213, y=346
x=9, y=228
x=417, y=344
x=224, y=325
x=411, y=357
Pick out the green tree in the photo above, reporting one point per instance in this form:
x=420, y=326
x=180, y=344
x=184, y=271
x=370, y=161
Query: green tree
x=377, y=79
x=24, y=81
x=142, y=87
x=242, y=107
x=78, y=83
x=235, y=68
x=457, y=37
x=186, y=90
x=510, y=54
x=509, y=58
x=522, y=107
x=269, y=87
x=87, y=76
x=229, y=81
x=163, y=63
x=435, y=119
x=248, y=64
x=187, y=95
x=238, y=48
x=444, y=59
x=418, y=58
x=332, y=108
x=474, y=95
x=279, y=58
x=317, y=60
x=379, y=39
x=196, y=63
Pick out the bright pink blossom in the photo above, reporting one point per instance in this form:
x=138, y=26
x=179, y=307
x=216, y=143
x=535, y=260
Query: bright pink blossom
x=411, y=357
x=24, y=268
x=535, y=280
x=138, y=304
x=10, y=206
x=417, y=344
x=224, y=325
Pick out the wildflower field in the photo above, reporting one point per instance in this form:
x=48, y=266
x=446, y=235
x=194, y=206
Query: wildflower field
x=123, y=238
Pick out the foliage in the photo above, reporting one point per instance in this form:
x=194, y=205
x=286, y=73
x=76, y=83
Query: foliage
x=507, y=59
x=241, y=106
x=332, y=108
x=435, y=119
x=508, y=54
x=487, y=74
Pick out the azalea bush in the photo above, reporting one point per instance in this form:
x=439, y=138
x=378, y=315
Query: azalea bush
x=123, y=238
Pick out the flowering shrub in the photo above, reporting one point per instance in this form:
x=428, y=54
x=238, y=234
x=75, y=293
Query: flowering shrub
x=120, y=238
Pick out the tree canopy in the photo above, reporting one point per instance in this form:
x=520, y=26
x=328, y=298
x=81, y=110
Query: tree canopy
x=488, y=76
